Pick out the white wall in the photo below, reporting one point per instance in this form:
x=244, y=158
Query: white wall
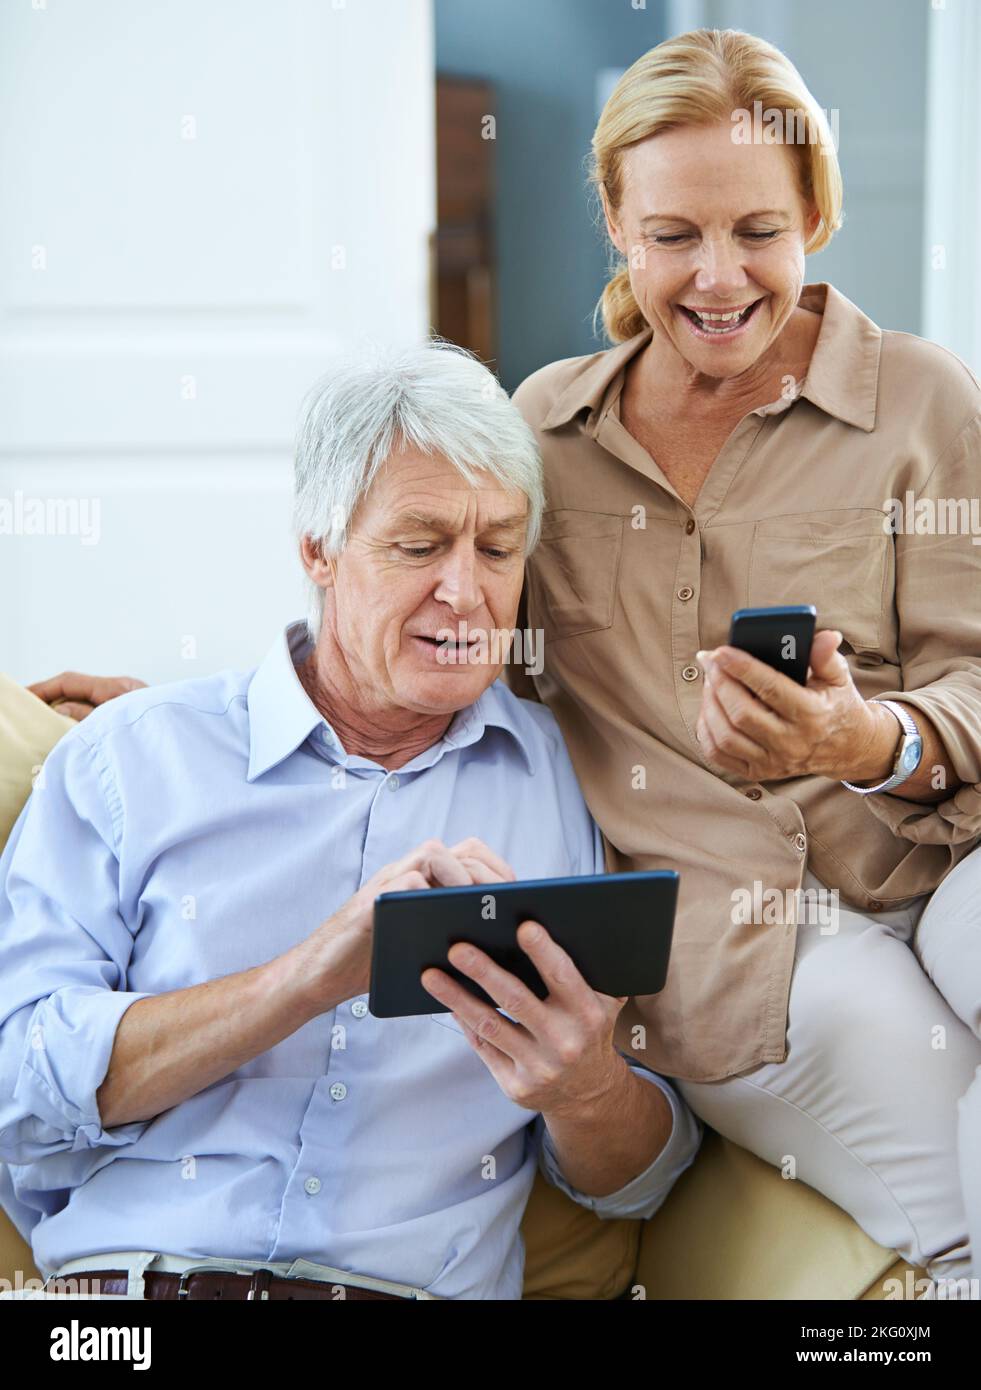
x=201, y=202
x=952, y=279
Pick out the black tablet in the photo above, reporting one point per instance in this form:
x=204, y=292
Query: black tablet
x=616, y=927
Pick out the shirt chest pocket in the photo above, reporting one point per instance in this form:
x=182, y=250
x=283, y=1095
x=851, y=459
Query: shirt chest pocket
x=572, y=573
x=842, y=562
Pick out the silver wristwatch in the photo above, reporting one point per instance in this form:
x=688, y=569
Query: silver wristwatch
x=908, y=754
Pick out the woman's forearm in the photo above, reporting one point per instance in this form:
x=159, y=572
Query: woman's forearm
x=933, y=780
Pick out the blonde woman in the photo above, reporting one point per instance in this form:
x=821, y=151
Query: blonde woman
x=752, y=440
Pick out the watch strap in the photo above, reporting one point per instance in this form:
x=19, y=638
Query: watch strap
x=899, y=773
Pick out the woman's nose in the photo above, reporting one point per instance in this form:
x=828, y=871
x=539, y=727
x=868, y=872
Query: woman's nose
x=720, y=267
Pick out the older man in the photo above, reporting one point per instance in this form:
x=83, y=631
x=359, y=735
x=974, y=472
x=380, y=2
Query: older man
x=189, y=1074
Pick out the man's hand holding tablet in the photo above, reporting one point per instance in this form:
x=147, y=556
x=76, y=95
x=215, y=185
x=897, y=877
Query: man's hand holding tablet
x=547, y=1038
x=550, y=1054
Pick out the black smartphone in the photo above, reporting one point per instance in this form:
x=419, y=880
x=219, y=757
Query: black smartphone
x=781, y=637
x=616, y=927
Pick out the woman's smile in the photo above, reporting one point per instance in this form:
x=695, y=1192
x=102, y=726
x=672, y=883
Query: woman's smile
x=719, y=325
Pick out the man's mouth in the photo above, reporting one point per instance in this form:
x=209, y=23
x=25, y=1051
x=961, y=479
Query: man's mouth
x=719, y=323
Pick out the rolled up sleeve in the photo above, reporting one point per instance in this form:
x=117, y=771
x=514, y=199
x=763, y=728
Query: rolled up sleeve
x=64, y=952
x=938, y=600
x=644, y=1194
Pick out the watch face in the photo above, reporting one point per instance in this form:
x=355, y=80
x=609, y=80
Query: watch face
x=912, y=754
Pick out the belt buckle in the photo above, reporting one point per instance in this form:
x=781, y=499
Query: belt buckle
x=182, y=1291
x=259, y=1287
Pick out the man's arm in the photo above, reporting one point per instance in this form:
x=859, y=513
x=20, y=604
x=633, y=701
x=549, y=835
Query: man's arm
x=603, y=1146
x=85, y=1063
x=64, y=952
x=171, y=1046
x=168, y=1047
x=641, y=1195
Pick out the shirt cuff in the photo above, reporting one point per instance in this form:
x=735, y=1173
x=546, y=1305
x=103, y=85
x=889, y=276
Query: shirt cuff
x=66, y=1056
x=957, y=818
x=641, y=1197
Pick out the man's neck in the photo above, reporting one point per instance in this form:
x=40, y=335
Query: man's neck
x=380, y=731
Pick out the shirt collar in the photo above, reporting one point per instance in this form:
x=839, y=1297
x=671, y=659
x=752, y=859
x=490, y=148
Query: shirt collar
x=282, y=716
x=842, y=378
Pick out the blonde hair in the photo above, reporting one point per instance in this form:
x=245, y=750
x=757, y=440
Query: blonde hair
x=699, y=78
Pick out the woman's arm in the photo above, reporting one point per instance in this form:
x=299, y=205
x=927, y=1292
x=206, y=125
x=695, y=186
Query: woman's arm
x=934, y=779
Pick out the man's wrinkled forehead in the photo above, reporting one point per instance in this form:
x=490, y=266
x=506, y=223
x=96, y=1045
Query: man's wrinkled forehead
x=433, y=495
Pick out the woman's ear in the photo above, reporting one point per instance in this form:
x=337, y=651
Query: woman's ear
x=613, y=230
x=318, y=565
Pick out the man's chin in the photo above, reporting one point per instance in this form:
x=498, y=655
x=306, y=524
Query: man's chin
x=445, y=690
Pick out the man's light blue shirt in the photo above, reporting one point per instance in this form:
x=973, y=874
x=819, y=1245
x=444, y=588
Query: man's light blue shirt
x=192, y=830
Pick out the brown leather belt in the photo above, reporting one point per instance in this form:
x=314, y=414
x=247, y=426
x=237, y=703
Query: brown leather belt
x=217, y=1284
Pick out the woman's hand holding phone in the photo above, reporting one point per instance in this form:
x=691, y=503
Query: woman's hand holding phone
x=758, y=723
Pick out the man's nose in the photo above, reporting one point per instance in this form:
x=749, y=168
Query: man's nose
x=459, y=582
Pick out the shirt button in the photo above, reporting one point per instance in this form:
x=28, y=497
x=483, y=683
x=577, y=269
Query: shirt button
x=875, y=905
x=338, y=1091
x=312, y=1185
x=754, y=793
x=359, y=1008
x=690, y=673
x=689, y=526
x=393, y=783
x=800, y=842
x=685, y=593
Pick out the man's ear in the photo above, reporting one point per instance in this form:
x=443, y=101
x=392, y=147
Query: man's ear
x=318, y=565
x=613, y=231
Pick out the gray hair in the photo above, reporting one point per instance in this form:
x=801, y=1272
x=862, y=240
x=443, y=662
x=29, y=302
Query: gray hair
x=436, y=398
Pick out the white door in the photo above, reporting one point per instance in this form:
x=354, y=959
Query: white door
x=200, y=202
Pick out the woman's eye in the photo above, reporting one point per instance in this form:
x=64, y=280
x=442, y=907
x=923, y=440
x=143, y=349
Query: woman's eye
x=675, y=237
x=498, y=554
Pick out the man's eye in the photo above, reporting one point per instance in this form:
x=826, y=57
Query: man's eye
x=417, y=552
x=497, y=554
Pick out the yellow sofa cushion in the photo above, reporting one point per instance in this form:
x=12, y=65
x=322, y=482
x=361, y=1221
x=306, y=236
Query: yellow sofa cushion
x=15, y=1254
x=734, y=1228
x=572, y=1253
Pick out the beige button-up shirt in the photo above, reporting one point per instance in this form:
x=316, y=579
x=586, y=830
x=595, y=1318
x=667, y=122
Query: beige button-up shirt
x=857, y=493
